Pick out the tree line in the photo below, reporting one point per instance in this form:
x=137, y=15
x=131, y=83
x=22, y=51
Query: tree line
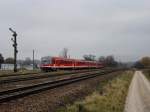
x=144, y=62
x=106, y=60
x=10, y=60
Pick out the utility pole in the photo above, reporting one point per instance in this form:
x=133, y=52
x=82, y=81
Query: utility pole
x=33, y=59
x=15, y=48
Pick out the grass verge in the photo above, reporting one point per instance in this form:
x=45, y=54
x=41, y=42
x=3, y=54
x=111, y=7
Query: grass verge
x=108, y=97
x=10, y=72
x=147, y=73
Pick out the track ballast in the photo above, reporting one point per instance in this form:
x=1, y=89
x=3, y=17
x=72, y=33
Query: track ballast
x=8, y=95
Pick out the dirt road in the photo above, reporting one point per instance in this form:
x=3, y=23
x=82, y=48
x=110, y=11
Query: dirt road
x=138, y=99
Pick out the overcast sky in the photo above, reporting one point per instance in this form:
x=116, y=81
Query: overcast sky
x=100, y=27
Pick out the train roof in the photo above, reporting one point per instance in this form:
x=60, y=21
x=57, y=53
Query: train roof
x=69, y=59
x=72, y=59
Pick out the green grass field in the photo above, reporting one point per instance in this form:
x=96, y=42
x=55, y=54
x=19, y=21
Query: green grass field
x=108, y=97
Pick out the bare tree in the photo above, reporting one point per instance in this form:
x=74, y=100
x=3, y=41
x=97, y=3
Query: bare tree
x=1, y=60
x=102, y=59
x=145, y=61
x=138, y=64
x=89, y=57
x=9, y=60
x=110, y=61
x=27, y=61
x=64, y=53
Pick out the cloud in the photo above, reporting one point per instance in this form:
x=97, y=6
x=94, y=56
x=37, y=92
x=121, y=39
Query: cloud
x=100, y=27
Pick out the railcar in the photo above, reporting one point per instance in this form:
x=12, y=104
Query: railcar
x=57, y=63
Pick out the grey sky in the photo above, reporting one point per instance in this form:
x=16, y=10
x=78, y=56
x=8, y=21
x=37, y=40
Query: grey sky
x=100, y=27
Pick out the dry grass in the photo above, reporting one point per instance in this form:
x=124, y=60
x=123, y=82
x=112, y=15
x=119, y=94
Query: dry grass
x=147, y=73
x=10, y=72
x=111, y=99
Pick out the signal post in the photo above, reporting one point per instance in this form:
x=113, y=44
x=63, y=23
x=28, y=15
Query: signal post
x=15, y=48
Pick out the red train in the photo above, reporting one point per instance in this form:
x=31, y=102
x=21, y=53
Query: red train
x=56, y=63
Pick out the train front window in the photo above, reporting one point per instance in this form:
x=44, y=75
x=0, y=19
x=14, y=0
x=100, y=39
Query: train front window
x=46, y=60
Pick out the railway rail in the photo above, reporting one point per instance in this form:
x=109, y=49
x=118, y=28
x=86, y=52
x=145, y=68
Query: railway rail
x=29, y=73
x=8, y=95
x=11, y=79
x=35, y=73
x=13, y=85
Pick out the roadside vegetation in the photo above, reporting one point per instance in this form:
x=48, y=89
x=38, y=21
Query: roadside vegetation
x=22, y=71
x=109, y=96
x=147, y=73
x=26, y=72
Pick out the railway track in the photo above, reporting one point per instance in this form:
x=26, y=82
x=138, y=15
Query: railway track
x=28, y=73
x=35, y=73
x=8, y=95
x=11, y=79
x=13, y=85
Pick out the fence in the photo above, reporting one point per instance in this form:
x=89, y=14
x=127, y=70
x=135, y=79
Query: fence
x=11, y=67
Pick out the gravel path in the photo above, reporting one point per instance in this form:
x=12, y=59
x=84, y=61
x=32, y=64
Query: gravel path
x=138, y=99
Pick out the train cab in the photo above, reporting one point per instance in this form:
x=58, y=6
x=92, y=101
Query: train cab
x=46, y=63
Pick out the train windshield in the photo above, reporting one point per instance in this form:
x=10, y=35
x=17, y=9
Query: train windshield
x=46, y=60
